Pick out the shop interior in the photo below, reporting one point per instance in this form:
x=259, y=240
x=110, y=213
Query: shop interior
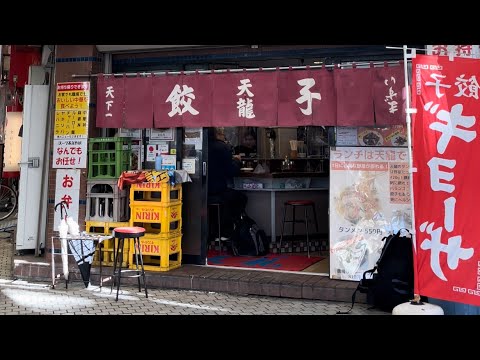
x=281, y=164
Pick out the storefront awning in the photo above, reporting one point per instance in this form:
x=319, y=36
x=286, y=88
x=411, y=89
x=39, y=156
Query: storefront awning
x=317, y=96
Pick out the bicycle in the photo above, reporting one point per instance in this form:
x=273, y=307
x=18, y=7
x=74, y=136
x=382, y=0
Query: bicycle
x=8, y=193
x=8, y=201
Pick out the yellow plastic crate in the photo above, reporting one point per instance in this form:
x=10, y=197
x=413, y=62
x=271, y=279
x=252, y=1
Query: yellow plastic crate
x=152, y=230
x=155, y=192
x=104, y=250
x=158, y=254
x=169, y=217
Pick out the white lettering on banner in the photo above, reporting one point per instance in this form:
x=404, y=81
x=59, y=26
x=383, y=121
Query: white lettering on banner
x=436, y=174
x=448, y=127
x=463, y=85
x=109, y=93
x=449, y=220
x=453, y=250
x=437, y=84
x=181, y=98
x=245, y=105
x=389, y=99
x=307, y=95
x=452, y=119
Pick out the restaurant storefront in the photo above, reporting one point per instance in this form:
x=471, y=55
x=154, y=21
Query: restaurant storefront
x=308, y=108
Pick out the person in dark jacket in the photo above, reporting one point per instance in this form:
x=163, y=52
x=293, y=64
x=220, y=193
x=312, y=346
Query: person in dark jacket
x=223, y=166
x=248, y=148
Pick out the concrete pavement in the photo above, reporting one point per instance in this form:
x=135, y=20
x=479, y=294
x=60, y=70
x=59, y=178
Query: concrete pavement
x=19, y=297
x=22, y=297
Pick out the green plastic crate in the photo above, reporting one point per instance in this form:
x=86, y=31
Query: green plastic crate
x=108, y=157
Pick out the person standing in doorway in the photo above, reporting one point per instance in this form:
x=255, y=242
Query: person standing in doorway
x=223, y=166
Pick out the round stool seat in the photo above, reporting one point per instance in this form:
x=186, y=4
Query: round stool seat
x=299, y=202
x=128, y=232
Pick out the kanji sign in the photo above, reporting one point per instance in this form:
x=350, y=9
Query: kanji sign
x=446, y=190
x=110, y=101
x=69, y=153
x=318, y=97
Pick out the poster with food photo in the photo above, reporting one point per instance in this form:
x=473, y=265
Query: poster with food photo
x=369, y=198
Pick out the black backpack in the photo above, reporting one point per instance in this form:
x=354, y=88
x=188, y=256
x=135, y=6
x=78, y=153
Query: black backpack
x=248, y=239
x=390, y=282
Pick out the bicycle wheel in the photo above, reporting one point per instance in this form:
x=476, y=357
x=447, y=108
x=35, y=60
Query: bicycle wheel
x=8, y=201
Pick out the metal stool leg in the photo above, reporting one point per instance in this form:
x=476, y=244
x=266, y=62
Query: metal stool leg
x=219, y=230
x=115, y=257
x=119, y=271
x=283, y=226
x=143, y=269
x=135, y=246
x=306, y=229
x=293, y=227
x=316, y=225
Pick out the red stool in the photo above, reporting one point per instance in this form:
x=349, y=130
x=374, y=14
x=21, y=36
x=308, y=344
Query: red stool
x=122, y=233
x=294, y=204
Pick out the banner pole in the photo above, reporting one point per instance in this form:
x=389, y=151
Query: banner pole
x=409, y=111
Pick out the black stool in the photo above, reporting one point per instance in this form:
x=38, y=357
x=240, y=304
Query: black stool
x=294, y=204
x=122, y=233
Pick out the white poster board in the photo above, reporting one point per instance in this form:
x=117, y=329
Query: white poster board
x=67, y=188
x=369, y=198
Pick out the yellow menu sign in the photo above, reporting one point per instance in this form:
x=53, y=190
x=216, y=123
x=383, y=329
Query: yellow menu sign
x=71, y=109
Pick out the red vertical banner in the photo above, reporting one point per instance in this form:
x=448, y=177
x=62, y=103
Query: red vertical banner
x=296, y=94
x=389, y=95
x=110, y=102
x=225, y=98
x=354, y=89
x=446, y=192
x=195, y=100
x=325, y=110
x=138, y=102
x=167, y=101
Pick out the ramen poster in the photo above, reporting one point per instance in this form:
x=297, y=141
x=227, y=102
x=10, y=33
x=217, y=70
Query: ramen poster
x=369, y=198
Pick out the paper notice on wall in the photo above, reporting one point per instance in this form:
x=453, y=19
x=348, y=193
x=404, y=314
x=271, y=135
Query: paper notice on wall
x=169, y=162
x=346, y=136
x=188, y=165
x=151, y=152
x=194, y=136
x=162, y=134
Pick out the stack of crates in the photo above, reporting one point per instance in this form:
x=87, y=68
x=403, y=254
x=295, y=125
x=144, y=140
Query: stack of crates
x=157, y=207
x=107, y=205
